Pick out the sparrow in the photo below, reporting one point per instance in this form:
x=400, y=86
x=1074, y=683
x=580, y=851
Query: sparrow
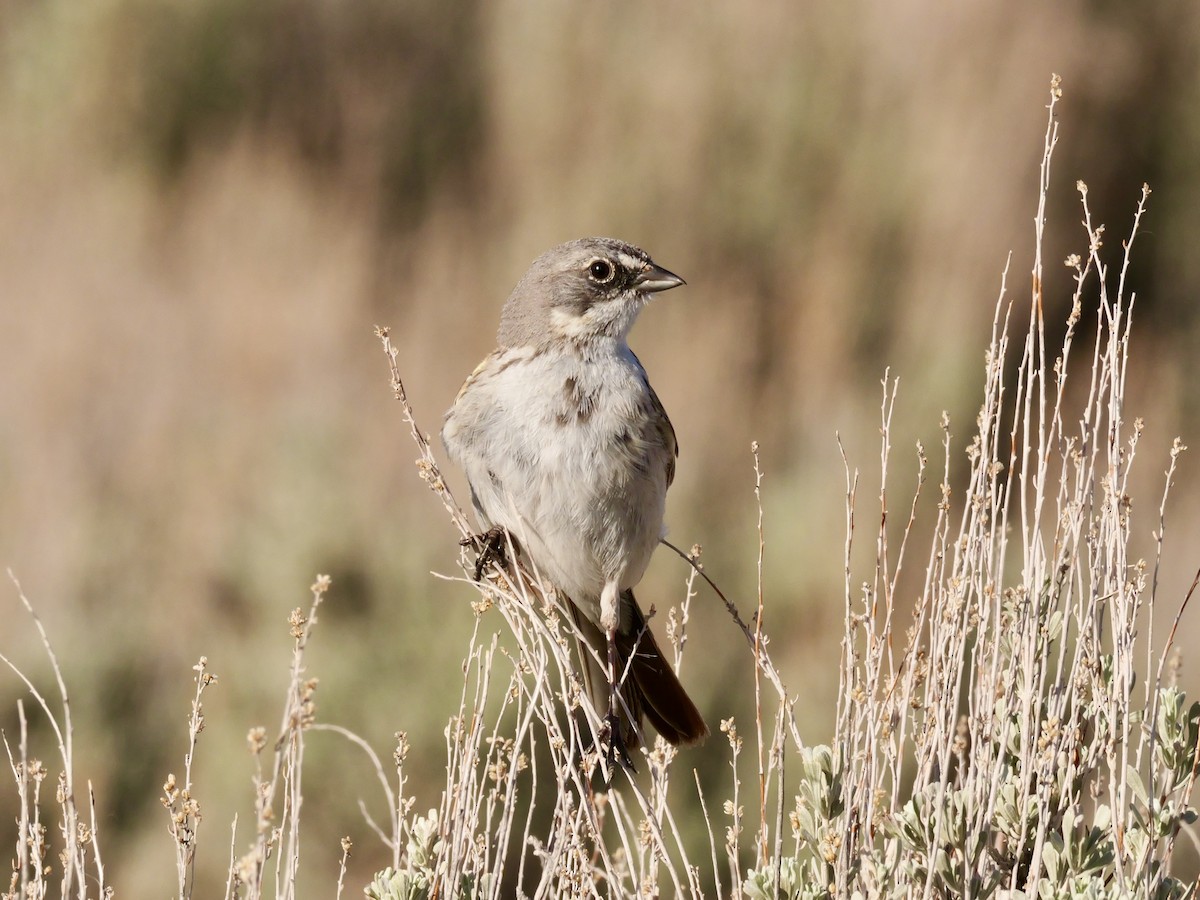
x=569, y=452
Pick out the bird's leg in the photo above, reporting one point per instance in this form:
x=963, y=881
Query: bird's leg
x=492, y=545
x=617, y=751
x=609, y=617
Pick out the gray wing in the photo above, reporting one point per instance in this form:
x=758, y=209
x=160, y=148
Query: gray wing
x=666, y=432
x=662, y=423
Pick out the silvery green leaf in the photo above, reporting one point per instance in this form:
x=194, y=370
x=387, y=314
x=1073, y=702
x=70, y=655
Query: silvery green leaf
x=1134, y=780
x=1051, y=857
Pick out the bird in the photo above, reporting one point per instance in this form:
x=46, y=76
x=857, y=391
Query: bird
x=568, y=451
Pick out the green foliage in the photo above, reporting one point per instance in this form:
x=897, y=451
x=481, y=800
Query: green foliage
x=934, y=838
x=418, y=877
x=787, y=879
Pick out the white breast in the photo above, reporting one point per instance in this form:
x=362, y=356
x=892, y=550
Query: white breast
x=561, y=452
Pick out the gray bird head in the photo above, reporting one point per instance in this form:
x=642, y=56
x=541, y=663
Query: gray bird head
x=580, y=292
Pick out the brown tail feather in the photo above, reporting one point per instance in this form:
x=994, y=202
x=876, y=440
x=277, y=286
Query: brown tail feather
x=650, y=689
x=663, y=700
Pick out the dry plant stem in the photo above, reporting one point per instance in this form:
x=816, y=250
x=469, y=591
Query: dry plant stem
x=180, y=804
x=1030, y=388
x=402, y=805
x=505, y=757
x=763, y=853
x=869, y=742
x=712, y=838
x=391, y=841
x=286, y=769
x=426, y=464
x=527, y=830
x=846, y=677
x=1177, y=447
x=986, y=483
x=296, y=720
x=73, y=855
x=229, y=874
x=1112, y=567
x=734, y=810
x=464, y=739
x=1031, y=391
x=665, y=812
x=20, y=770
x=102, y=889
x=877, y=634
x=762, y=658
x=655, y=812
x=341, y=882
x=778, y=740
x=677, y=620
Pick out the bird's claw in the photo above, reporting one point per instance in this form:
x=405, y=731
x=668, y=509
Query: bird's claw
x=616, y=751
x=493, y=547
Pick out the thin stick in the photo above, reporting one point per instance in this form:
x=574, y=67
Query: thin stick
x=764, y=853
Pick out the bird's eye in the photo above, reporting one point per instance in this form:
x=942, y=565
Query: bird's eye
x=601, y=270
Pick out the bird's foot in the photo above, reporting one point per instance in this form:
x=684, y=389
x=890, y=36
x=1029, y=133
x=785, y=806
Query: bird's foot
x=616, y=751
x=492, y=546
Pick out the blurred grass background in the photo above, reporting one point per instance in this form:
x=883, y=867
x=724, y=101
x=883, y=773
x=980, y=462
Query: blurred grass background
x=205, y=206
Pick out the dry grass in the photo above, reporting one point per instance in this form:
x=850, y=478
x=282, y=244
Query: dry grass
x=33, y=865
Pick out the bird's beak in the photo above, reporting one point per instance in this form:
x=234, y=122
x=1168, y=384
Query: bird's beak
x=655, y=278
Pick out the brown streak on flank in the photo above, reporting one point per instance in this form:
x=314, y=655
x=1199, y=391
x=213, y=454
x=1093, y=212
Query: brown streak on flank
x=583, y=404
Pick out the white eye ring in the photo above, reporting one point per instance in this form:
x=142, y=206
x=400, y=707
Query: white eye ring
x=601, y=271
